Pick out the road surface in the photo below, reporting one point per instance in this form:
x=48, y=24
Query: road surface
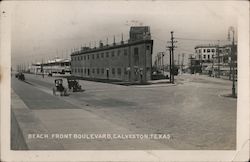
x=193, y=112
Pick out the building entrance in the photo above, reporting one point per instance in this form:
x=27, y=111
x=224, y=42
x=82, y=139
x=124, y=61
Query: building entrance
x=107, y=72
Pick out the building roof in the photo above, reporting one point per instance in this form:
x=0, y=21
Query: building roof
x=111, y=47
x=215, y=46
x=206, y=46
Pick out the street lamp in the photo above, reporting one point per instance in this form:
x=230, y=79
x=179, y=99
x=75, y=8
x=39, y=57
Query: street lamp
x=213, y=65
x=231, y=29
x=162, y=60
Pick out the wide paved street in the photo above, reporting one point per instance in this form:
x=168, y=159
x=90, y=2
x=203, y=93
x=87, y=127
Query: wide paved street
x=193, y=112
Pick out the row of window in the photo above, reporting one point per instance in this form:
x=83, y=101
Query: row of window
x=206, y=50
x=206, y=56
x=100, y=55
x=87, y=71
x=210, y=50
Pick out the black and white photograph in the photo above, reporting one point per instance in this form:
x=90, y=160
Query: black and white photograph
x=125, y=77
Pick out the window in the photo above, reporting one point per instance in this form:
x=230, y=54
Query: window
x=88, y=57
x=119, y=71
x=93, y=70
x=102, y=55
x=148, y=47
x=81, y=70
x=78, y=58
x=85, y=71
x=125, y=52
x=204, y=56
x=136, y=56
x=102, y=70
x=199, y=50
x=97, y=70
x=125, y=71
x=84, y=57
x=204, y=50
x=81, y=57
x=112, y=53
x=107, y=54
x=97, y=56
x=208, y=56
x=93, y=56
x=118, y=53
x=113, y=71
x=213, y=50
x=208, y=50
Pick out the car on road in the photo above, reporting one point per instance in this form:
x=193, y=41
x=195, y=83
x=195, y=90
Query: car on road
x=20, y=76
x=74, y=85
x=59, y=88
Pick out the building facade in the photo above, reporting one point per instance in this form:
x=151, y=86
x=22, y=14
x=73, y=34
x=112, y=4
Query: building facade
x=214, y=59
x=129, y=61
x=54, y=66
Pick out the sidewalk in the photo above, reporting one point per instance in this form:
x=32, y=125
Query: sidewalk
x=214, y=79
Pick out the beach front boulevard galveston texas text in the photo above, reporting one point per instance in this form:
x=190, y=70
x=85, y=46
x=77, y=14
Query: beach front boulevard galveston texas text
x=100, y=136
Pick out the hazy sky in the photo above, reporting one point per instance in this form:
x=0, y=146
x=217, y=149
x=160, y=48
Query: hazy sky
x=44, y=29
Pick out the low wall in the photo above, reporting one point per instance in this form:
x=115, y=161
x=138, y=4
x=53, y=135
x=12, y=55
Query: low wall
x=17, y=139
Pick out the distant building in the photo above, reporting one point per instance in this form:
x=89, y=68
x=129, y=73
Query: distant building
x=54, y=66
x=213, y=59
x=125, y=61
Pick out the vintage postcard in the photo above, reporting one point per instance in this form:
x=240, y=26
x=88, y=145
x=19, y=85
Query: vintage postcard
x=124, y=80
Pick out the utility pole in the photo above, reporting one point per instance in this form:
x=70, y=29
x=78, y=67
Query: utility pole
x=178, y=60
x=213, y=64
x=170, y=65
x=161, y=54
x=172, y=53
x=218, y=55
x=232, y=63
x=182, y=62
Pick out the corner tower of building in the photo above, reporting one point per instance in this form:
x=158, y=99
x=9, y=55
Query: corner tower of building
x=137, y=33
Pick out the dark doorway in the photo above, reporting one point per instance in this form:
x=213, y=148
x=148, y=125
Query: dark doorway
x=88, y=72
x=107, y=71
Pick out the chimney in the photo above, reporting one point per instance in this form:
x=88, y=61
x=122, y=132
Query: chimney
x=114, y=41
x=122, y=42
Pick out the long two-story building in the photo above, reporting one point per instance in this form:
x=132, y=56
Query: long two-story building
x=129, y=61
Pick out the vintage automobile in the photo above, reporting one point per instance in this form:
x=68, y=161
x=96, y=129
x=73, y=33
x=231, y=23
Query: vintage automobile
x=20, y=76
x=50, y=74
x=59, y=88
x=74, y=85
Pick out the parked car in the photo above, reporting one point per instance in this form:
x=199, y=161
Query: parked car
x=59, y=88
x=20, y=76
x=158, y=76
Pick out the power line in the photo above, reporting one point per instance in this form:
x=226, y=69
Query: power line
x=194, y=39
